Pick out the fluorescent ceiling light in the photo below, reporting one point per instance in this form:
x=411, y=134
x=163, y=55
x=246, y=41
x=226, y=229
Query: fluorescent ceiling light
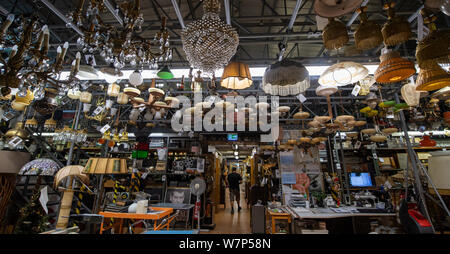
x=316, y=70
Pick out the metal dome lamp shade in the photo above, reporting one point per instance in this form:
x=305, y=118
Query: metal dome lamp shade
x=209, y=43
x=393, y=68
x=335, y=8
x=236, y=75
x=435, y=47
x=396, y=30
x=433, y=78
x=165, y=73
x=334, y=34
x=368, y=34
x=286, y=77
x=342, y=74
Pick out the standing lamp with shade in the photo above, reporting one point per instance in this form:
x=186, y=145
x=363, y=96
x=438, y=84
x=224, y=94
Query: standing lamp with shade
x=236, y=75
x=334, y=34
x=342, y=74
x=285, y=77
x=396, y=30
x=368, y=34
x=393, y=68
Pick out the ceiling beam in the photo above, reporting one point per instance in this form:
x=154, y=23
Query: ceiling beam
x=61, y=16
x=177, y=11
x=113, y=11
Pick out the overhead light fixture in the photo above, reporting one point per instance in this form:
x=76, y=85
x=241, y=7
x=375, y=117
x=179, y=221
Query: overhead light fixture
x=236, y=75
x=393, y=68
x=368, y=34
x=135, y=78
x=396, y=30
x=237, y=157
x=342, y=74
x=431, y=79
x=165, y=73
x=286, y=77
x=335, y=34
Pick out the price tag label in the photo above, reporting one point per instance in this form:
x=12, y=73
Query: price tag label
x=355, y=90
x=338, y=166
x=141, y=109
x=358, y=144
x=301, y=97
x=98, y=110
x=163, y=178
x=105, y=128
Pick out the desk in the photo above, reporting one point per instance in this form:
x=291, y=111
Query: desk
x=137, y=216
x=278, y=216
x=340, y=219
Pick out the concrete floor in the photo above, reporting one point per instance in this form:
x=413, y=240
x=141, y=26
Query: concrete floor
x=227, y=223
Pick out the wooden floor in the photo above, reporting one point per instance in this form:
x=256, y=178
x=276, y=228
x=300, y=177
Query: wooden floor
x=227, y=223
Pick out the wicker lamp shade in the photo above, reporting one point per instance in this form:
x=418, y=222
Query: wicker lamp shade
x=342, y=74
x=442, y=94
x=410, y=95
x=301, y=115
x=434, y=48
x=236, y=75
x=368, y=34
x=334, y=34
x=334, y=8
x=72, y=170
x=393, y=68
x=431, y=79
x=106, y=166
x=285, y=78
x=397, y=29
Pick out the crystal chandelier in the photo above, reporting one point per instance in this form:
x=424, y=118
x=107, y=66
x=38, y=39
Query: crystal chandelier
x=120, y=45
x=209, y=43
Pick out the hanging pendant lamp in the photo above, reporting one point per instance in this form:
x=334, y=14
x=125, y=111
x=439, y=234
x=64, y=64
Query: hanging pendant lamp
x=410, y=95
x=236, y=75
x=442, y=94
x=435, y=47
x=368, y=34
x=335, y=8
x=285, y=78
x=342, y=74
x=393, y=68
x=165, y=73
x=334, y=34
x=396, y=30
x=433, y=78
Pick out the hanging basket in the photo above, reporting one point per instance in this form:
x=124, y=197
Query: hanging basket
x=334, y=34
x=396, y=30
x=368, y=34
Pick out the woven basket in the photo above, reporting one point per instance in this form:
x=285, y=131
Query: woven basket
x=434, y=48
x=396, y=30
x=431, y=79
x=393, y=68
x=334, y=34
x=368, y=34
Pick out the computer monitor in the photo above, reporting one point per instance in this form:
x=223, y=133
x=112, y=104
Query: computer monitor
x=360, y=180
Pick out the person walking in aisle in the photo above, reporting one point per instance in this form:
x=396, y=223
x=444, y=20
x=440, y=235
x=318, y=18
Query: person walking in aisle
x=233, y=181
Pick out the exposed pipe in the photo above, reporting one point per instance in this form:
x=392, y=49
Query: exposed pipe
x=113, y=11
x=177, y=11
x=356, y=14
x=226, y=3
x=62, y=16
x=289, y=28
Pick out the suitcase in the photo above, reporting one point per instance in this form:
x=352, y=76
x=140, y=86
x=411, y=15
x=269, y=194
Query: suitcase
x=258, y=220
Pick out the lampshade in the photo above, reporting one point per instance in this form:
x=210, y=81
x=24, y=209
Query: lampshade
x=333, y=8
x=85, y=97
x=435, y=47
x=122, y=98
x=342, y=74
x=285, y=78
x=136, y=79
x=106, y=166
x=393, y=68
x=378, y=138
x=18, y=106
x=72, y=170
x=74, y=94
x=131, y=92
x=368, y=34
x=334, y=34
x=44, y=167
x=433, y=78
x=442, y=94
x=236, y=75
x=113, y=90
x=301, y=115
x=396, y=30
x=165, y=73
x=410, y=95
x=17, y=131
x=326, y=90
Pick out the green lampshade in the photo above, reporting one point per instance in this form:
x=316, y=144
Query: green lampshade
x=165, y=73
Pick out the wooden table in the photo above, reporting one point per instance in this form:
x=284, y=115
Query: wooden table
x=278, y=216
x=136, y=216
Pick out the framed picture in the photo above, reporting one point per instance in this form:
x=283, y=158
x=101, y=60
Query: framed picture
x=178, y=195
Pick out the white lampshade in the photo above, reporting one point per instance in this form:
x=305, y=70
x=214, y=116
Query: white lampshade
x=113, y=90
x=110, y=78
x=136, y=79
x=342, y=74
x=410, y=95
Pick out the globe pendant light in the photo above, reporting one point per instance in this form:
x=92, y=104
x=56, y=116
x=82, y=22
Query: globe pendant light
x=435, y=47
x=368, y=34
x=285, y=78
x=393, y=68
x=433, y=78
x=342, y=74
x=136, y=78
x=334, y=34
x=396, y=30
x=165, y=73
x=236, y=75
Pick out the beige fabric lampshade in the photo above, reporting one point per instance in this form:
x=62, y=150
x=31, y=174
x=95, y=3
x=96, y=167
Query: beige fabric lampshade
x=72, y=170
x=360, y=123
x=369, y=131
x=283, y=109
x=131, y=91
x=388, y=131
x=285, y=78
x=236, y=75
x=326, y=90
x=442, y=94
x=322, y=119
x=343, y=73
x=333, y=8
x=378, y=138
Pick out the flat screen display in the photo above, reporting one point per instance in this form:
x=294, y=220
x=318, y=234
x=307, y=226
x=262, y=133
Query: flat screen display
x=233, y=137
x=360, y=180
